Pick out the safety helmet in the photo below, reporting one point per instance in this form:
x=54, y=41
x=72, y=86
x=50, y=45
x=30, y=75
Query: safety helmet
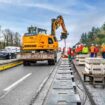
x=96, y=44
x=84, y=44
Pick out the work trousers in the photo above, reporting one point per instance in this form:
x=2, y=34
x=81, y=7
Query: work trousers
x=69, y=57
x=95, y=54
x=103, y=55
x=92, y=55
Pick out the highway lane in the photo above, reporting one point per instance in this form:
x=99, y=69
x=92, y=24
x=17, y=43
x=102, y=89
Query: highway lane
x=19, y=84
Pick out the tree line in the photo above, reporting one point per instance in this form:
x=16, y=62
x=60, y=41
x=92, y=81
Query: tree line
x=9, y=38
x=95, y=36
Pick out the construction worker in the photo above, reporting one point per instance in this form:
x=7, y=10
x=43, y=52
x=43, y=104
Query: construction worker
x=81, y=48
x=85, y=49
x=96, y=50
x=103, y=50
x=92, y=50
x=78, y=49
x=69, y=53
x=72, y=54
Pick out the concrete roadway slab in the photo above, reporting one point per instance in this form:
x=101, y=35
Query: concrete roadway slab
x=7, y=61
x=62, y=98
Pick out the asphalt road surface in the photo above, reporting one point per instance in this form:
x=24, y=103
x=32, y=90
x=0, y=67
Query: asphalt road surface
x=19, y=84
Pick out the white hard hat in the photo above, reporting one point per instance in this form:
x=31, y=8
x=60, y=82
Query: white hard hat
x=96, y=44
x=103, y=43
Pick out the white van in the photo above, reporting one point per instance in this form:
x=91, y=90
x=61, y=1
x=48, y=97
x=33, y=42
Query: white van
x=12, y=49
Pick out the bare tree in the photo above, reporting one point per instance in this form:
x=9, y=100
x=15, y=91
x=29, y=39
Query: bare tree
x=6, y=38
x=9, y=37
x=17, y=39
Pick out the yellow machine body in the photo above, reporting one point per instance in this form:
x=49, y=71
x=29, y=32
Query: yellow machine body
x=39, y=42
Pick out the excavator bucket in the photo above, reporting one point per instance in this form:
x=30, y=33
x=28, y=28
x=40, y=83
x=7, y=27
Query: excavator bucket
x=63, y=35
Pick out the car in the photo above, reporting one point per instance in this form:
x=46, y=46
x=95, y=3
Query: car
x=7, y=55
x=12, y=49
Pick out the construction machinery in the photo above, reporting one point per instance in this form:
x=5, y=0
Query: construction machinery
x=37, y=45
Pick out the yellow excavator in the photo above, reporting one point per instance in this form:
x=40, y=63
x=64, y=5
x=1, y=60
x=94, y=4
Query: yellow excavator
x=56, y=23
x=37, y=45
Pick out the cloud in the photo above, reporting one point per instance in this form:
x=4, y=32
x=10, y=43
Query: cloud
x=45, y=6
x=49, y=7
x=89, y=7
x=12, y=1
x=6, y=1
x=79, y=15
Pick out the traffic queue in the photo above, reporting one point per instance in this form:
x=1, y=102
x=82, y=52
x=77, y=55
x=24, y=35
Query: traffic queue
x=10, y=52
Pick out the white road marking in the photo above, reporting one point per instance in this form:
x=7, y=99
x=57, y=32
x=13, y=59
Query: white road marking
x=17, y=82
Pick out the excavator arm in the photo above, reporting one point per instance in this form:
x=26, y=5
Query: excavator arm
x=56, y=23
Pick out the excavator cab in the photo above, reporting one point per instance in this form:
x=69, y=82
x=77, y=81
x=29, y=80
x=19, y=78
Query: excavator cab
x=35, y=31
x=40, y=30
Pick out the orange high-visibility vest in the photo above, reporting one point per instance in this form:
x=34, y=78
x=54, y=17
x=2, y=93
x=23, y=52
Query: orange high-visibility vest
x=92, y=49
x=103, y=48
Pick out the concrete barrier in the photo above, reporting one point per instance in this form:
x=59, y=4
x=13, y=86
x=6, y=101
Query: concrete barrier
x=81, y=59
x=8, y=61
x=77, y=57
x=6, y=64
x=103, y=63
x=93, y=64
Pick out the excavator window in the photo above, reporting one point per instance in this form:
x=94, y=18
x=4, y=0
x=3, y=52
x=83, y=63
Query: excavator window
x=55, y=39
x=35, y=30
x=42, y=31
x=32, y=30
x=50, y=41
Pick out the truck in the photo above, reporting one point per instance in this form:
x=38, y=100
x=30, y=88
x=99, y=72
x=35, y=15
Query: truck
x=37, y=45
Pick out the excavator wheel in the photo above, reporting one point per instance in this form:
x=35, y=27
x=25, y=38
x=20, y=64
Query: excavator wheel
x=56, y=59
x=51, y=62
x=26, y=63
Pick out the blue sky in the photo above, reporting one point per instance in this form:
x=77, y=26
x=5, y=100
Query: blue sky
x=79, y=15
